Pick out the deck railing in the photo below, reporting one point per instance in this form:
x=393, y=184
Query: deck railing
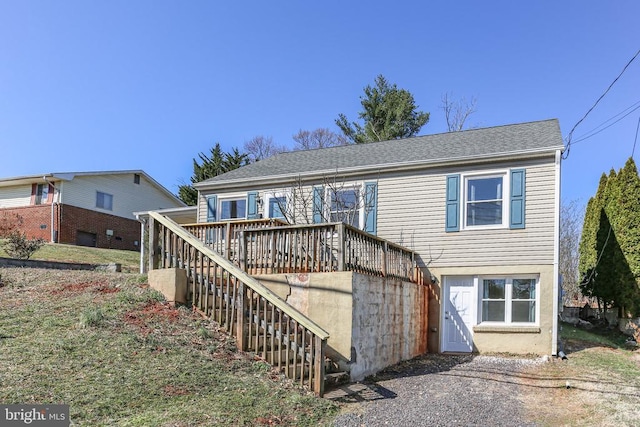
x=259, y=247
x=260, y=320
x=223, y=236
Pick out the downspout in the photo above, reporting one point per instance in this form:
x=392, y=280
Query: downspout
x=556, y=257
x=53, y=205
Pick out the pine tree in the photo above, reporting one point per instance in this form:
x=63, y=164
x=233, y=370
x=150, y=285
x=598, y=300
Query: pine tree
x=215, y=164
x=388, y=113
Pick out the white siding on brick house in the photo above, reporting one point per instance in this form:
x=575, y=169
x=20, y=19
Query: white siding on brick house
x=16, y=196
x=128, y=197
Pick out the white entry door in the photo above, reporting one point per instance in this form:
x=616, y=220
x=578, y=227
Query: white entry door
x=458, y=314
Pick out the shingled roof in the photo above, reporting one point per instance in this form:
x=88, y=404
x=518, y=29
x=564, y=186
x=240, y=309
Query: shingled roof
x=477, y=144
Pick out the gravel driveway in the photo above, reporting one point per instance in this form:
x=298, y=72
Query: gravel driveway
x=438, y=390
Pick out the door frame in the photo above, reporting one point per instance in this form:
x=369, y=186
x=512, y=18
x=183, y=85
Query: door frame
x=473, y=305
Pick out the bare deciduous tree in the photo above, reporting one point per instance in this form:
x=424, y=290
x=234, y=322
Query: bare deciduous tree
x=319, y=138
x=340, y=201
x=571, y=217
x=457, y=112
x=260, y=147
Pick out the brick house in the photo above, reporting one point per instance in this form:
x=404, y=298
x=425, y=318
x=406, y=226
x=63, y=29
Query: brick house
x=83, y=208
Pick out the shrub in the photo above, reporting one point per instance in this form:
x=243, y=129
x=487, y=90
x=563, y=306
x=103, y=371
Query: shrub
x=9, y=223
x=18, y=246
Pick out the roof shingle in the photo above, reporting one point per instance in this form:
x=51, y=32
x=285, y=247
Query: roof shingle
x=445, y=147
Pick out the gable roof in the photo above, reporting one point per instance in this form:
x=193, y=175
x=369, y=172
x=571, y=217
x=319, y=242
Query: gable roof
x=486, y=144
x=69, y=176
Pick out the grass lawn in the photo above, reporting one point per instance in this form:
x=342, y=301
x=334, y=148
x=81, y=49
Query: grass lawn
x=130, y=260
x=598, y=385
x=112, y=349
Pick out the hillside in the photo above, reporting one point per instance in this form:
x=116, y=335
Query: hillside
x=112, y=349
x=129, y=260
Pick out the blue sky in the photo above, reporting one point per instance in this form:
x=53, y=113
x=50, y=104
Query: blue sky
x=148, y=84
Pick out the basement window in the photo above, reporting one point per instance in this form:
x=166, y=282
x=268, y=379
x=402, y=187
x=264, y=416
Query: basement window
x=509, y=300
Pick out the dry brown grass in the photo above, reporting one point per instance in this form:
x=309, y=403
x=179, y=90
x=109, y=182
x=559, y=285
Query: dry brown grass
x=596, y=386
x=112, y=349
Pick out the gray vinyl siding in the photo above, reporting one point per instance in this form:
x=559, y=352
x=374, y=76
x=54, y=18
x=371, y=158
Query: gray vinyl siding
x=128, y=197
x=416, y=219
x=411, y=212
x=14, y=197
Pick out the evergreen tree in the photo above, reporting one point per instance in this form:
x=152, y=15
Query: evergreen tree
x=388, y=113
x=594, y=283
x=587, y=247
x=215, y=164
x=623, y=209
x=610, y=244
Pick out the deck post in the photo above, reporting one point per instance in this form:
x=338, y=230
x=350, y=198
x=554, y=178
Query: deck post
x=318, y=365
x=385, y=249
x=242, y=251
x=227, y=241
x=153, y=244
x=341, y=247
x=241, y=338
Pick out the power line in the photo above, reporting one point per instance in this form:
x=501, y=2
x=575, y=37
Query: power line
x=570, y=135
x=635, y=140
x=596, y=130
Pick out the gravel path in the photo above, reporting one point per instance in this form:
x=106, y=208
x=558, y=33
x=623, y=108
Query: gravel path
x=438, y=390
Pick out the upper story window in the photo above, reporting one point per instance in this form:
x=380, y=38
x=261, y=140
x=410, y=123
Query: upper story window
x=104, y=201
x=42, y=194
x=485, y=200
x=484, y=203
x=345, y=206
x=136, y=178
x=356, y=205
x=277, y=207
x=233, y=209
x=509, y=300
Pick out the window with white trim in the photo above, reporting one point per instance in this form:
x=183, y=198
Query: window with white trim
x=104, y=201
x=509, y=300
x=484, y=200
x=277, y=206
x=42, y=194
x=345, y=205
x=233, y=208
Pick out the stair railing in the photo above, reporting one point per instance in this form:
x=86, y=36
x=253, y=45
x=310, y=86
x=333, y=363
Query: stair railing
x=260, y=321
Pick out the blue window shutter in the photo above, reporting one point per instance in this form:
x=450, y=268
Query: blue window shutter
x=452, y=221
x=252, y=205
x=212, y=202
x=517, y=205
x=318, y=204
x=371, y=207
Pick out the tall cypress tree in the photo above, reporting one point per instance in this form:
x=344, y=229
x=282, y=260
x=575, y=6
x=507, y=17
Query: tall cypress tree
x=610, y=243
x=594, y=240
x=587, y=247
x=624, y=213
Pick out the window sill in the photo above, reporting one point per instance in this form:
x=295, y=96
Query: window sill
x=507, y=329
